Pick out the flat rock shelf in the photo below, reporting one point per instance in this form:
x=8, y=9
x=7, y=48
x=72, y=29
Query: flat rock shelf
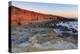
x=44, y=36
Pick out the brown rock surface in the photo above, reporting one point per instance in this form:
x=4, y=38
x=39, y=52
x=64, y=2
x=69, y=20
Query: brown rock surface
x=21, y=16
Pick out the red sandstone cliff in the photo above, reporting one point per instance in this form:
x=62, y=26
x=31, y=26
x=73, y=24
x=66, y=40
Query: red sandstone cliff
x=25, y=16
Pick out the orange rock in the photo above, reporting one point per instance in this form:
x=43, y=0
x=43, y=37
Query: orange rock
x=24, y=16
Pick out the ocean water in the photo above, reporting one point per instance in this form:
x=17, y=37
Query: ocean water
x=66, y=36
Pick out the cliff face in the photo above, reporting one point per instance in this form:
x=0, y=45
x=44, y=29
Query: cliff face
x=21, y=16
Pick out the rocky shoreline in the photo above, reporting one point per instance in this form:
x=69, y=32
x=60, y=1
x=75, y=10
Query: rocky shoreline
x=43, y=36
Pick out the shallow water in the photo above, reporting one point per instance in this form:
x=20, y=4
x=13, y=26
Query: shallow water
x=22, y=36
